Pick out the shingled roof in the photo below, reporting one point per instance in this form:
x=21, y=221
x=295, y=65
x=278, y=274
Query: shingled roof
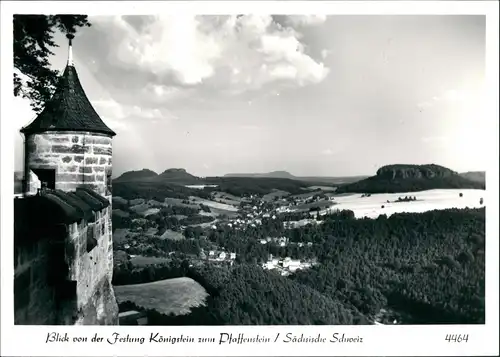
x=59, y=207
x=69, y=109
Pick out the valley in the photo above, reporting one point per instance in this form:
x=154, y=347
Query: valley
x=262, y=237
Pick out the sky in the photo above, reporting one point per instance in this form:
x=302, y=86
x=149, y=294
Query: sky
x=313, y=95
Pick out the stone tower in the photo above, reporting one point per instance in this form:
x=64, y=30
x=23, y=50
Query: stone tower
x=68, y=162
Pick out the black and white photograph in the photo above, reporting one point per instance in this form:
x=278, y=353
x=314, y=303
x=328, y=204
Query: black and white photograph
x=179, y=169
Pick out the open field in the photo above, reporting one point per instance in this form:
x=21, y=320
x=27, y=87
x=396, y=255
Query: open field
x=150, y=211
x=228, y=197
x=205, y=225
x=140, y=208
x=178, y=202
x=121, y=213
x=151, y=231
x=271, y=196
x=120, y=234
x=315, y=205
x=228, y=202
x=169, y=234
x=426, y=201
x=141, y=261
x=170, y=296
x=218, y=212
x=212, y=204
x=119, y=200
x=322, y=188
x=199, y=187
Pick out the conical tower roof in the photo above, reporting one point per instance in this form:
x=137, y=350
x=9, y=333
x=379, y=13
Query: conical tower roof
x=69, y=109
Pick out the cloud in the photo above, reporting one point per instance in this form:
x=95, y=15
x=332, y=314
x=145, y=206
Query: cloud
x=425, y=105
x=306, y=20
x=452, y=95
x=327, y=152
x=325, y=53
x=439, y=141
x=161, y=94
x=121, y=117
x=239, y=53
x=250, y=127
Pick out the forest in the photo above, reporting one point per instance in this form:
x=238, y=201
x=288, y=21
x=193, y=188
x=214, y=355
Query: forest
x=428, y=268
x=152, y=190
x=238, y=186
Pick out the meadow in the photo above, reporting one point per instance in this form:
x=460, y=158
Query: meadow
x=377, y=204
x=171, y=296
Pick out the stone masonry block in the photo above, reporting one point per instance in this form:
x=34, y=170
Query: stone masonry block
x=98, y=140
x=68, y=168
x=74, y=149
x=42, y=160
x=67, y=159
x=98, y=150
x=89, y=178
x=102, y=161
x=91, y=160
x=66, y=177
x=78, y=158
x=62, y=139
x=85, y=169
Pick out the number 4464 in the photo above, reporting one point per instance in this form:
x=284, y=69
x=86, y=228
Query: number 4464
x=457, y=338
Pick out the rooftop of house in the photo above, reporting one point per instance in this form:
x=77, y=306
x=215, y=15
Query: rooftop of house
x=69, y=108
x=53, y=208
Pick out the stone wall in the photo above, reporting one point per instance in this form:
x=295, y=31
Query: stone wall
x=79, y=158
x=92, y=300
x=34, y=299
x=93, y=271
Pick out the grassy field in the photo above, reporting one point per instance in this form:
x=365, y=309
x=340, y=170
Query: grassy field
x=377, y=204
x=322, y=188
x=140, y=208
x=213, y=204
x=120, y=213
x=119, y=235
x=142, y=261
x=271, y=196
x=169, y=234
x=170, y=296
x=178, y=202
x=218, y=212
x=227, y=198
x=320, y=204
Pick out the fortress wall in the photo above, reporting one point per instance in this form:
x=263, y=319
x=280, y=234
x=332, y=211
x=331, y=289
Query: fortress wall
x=93, y=271
x=91, y=303
x=81, y=159
x=34, y=299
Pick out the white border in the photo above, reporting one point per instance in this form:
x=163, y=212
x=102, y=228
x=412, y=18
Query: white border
x=385, y=340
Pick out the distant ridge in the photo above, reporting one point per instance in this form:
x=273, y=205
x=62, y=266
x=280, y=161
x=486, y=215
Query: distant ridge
x=477, y=176
x=178, y=175
x=175, y=176
x=287, y=175
x=410, y=178
x=273, y=174
x=139, y=175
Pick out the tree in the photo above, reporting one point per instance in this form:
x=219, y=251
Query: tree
x=33, y=40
